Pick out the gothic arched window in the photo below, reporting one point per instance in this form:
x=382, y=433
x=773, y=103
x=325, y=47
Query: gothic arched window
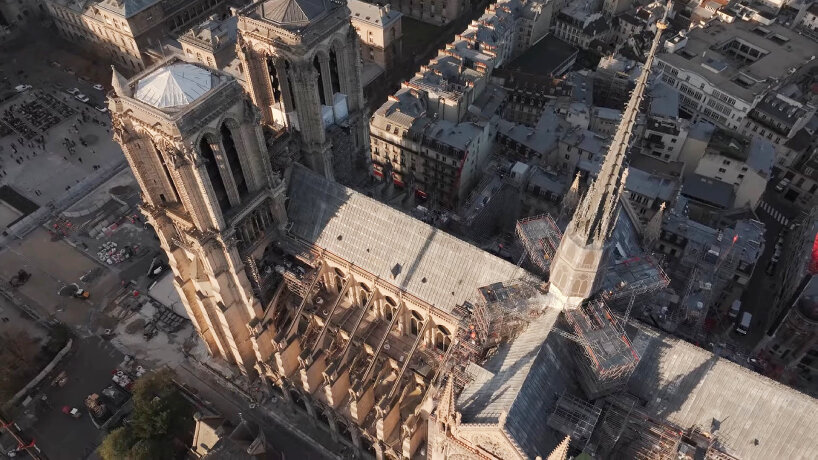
x=415, y=323
x=320, y=85
x=233, y=159
x=333, y=71
x=213, y=174
x=443, y=338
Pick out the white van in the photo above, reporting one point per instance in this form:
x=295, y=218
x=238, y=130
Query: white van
x=744, y=325
x=734, y=309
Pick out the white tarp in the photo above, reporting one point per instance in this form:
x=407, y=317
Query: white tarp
x=339, y=107
x=174, y=85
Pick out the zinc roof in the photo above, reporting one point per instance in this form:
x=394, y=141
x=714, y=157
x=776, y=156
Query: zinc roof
x=422, y=260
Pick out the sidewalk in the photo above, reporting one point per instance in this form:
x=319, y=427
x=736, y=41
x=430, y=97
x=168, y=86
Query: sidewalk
x=277, y=413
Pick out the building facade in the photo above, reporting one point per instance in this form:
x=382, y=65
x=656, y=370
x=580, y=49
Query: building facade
x=441, y=12
x=213, y=42
x=125, y=31
x=194, y=143
x=744, y=163
x=303, y=70
x=722, y=71
x=379, y=31
x=584, y=30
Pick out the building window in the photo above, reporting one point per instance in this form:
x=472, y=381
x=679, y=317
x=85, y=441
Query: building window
x=415, y=323
x=722, y=170
x=443, y=339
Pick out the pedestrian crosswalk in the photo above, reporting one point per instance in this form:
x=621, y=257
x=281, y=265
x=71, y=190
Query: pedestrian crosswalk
x=772, y=212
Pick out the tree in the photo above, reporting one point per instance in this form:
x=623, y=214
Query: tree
x=117, y=444
x=18, y=351
x=161, y=415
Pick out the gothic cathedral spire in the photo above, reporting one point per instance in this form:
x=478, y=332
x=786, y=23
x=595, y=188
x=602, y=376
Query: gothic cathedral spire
x=597, y=212
x=580, y=260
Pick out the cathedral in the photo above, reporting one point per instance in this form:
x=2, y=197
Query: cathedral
x=404, y=341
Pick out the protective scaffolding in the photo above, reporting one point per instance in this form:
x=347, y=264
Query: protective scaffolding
x=540, y=237
x=576, y=418
x=608, y=358
x=634, y=277
x=631, y=434
x=503, y=310
x=627, y=284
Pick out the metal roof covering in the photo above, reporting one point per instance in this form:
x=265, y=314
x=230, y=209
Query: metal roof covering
x=126, y=8
x=521, y=381
x=422, y=260
x=174, y=85
x=757, y=417
x=294, y=12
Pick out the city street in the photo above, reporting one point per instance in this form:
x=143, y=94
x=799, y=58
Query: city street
x=89, y=367
x=762, y=290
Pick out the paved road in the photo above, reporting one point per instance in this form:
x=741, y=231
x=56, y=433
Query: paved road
x=761, y=292
x=89, y=371
x=230, y=405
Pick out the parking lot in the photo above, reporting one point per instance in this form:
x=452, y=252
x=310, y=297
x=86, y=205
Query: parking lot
x=88, y=369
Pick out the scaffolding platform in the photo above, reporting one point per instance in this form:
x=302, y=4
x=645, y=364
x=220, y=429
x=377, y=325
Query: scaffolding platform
x=631, y=434
x=540, y=237
x=633, y=277
x=576, y=418
x=609, y=357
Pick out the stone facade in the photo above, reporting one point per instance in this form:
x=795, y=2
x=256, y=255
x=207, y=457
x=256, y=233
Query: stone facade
x=304, y=72
x=209, y=192
x=124, y=31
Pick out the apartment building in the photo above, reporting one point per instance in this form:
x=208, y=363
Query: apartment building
x=652, y=183
x=803, y=179
x=779, y=117
x=582, y=29
x=723, y=70
x=437, y=12
x=744, y=163
x=379, y=31
x=422, y=137
x=613, y=81
x=438, y=159
x=213, y=42
x=123, y=31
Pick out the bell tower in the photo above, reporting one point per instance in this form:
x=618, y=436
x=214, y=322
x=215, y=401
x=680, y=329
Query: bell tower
x=193, y=141
x=302, y=67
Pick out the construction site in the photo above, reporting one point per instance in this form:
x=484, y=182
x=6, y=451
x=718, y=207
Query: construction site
x=710, y=269
x=597, y=413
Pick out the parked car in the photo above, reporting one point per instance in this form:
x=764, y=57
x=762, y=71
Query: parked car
x=22, y=88
x=782, y=185
x=81, y=97
x=73, y=91
x=99, y=87
x=735, y=309
x=101, y=108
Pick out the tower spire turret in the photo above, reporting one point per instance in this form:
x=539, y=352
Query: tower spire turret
x=581, y=258
x=596, y=214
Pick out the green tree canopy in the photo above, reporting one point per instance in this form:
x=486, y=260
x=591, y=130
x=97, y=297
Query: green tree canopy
x=161, y=415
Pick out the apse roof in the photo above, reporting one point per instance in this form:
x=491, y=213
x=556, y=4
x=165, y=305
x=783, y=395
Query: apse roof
x=174, y=85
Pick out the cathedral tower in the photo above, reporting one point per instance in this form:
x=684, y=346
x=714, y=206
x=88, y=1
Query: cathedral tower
x=581, y=258
x=193, y=142
x=302, y=65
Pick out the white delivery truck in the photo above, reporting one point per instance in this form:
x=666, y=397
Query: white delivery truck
x=744, y=325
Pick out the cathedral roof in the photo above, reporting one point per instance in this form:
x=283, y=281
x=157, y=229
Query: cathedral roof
x=294, y=12
x=424, y=261
x=174, y=85
x=519, y=383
